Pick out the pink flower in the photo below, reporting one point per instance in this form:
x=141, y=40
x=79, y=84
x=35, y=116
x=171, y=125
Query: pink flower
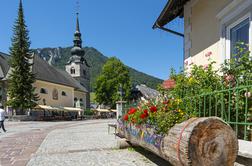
x=206, y=66
x=208, y=54
x=186, y=63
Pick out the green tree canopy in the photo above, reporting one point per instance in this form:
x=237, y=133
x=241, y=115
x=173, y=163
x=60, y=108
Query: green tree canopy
x=20, y=89
x=113, y=74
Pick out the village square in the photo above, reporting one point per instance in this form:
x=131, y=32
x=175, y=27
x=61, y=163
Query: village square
x=88, y=83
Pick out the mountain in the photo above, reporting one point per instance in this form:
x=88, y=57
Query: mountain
x=59, y=56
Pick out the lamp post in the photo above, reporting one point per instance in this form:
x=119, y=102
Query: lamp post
x=120, y=104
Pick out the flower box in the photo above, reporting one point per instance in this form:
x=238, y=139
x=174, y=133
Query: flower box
x=197, y=141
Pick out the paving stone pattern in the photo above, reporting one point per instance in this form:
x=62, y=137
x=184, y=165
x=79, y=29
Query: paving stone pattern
x=85, y=145
x=22, y=140
x=77, y=143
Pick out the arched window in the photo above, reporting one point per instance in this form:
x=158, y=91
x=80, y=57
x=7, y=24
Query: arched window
x=75, y=101
x=72, y=70
x=63, y=93
x=55, y=94
x=85, y=73
x=43, y=90
x=44, y=101
x=81, y=102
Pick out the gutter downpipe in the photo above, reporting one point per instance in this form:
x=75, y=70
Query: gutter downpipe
x=169, y=30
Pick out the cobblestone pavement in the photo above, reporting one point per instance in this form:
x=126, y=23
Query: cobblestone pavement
x=77, y=143
x=22, y=139
x=86, y=144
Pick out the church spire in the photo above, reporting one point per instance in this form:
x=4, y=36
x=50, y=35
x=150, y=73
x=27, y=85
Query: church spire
x=77, y=23
x=77, y=35
x=77, y=51
x=20, y=4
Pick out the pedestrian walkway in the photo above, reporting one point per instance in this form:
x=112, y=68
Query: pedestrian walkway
x=77, y=143
x=88, y=144
x=22, y=139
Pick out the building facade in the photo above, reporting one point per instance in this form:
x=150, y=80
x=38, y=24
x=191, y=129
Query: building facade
x=55, y=87
x=212, y=28
x=4, y=68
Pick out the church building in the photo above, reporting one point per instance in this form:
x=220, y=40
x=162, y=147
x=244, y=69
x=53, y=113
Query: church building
x=56, y=88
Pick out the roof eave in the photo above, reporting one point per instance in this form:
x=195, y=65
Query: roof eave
x=169, y=13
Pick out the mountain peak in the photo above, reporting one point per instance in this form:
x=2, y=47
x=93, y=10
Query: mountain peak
x=59, y=56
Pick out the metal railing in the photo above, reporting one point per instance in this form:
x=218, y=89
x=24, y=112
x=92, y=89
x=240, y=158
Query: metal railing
x=233, y=105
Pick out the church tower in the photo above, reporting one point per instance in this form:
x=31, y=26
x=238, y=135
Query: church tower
x=77, y=65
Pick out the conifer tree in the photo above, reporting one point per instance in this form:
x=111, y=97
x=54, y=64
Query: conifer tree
x=20, y=89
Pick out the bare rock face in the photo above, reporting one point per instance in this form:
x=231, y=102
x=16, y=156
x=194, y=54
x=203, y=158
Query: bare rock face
x=51, y=55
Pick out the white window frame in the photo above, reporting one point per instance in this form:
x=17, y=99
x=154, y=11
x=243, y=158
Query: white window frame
x=228, y=29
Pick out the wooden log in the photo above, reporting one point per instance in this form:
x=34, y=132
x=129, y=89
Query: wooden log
x=197, y=142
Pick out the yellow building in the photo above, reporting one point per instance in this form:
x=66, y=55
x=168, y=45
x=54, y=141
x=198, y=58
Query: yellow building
x=56, y=88
x=211, y=28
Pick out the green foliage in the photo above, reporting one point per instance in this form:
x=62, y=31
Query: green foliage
x=114, y=74
x=239, y=66
x=237, y=72
x=203, y=91
x=92, y=97
x=89, y=112
x=161, y=114
x=20, y=90
x=200, y=80
x=96, y=60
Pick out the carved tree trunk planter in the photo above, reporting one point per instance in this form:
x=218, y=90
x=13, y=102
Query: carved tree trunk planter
x=197, y=142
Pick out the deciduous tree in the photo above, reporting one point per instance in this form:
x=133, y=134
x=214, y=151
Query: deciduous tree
x=113, y=74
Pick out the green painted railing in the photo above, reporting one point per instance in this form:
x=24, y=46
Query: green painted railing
x=233, y=105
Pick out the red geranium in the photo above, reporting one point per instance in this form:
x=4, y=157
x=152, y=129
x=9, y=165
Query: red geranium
x=166, y=102
x=153, y=109
x=144, y=114
x=126, y=117
x=132, y=111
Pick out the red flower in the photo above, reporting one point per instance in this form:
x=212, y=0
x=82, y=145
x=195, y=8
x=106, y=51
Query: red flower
x=144, y=114
x=126, y=117
x=132, y=111
x=166, y=102
x=153, y=109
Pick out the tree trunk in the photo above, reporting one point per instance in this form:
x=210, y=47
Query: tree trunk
x=197, y=142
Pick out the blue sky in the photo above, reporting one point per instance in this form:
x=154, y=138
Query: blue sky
x=114, y=27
